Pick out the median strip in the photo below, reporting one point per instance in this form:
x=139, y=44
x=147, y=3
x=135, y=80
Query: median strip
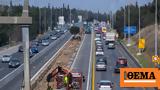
x=65, y=59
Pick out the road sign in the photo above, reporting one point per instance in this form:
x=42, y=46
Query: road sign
x=130, y=30
x=104, y=29
x=156, y=59
x=141, y=44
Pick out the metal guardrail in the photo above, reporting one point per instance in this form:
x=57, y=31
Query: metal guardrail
x=19, y=70
x=132, y=57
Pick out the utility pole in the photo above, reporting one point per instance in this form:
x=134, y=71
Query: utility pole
x=45, y=21
x=156, y=30
x=51, y=16
x=40, y=31
x=129, y=41
x=70, y=13
x=124, y=21
x=139, y=33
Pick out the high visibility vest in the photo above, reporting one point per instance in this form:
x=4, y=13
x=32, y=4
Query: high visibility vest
x=65, y=79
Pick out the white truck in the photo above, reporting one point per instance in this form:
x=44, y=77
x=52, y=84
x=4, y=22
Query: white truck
x=110, y=37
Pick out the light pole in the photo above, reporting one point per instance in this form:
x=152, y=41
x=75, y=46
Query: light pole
x=156, y=30
x=129, y=41
x=124, y=21
x=139, y=34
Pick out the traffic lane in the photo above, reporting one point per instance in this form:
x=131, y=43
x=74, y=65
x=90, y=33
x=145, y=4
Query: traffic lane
x=130, y=64
x=4, y=70
x=82, y=62
x=38, y=63
x=112, y=55
x=14, y=84
x=17, y=81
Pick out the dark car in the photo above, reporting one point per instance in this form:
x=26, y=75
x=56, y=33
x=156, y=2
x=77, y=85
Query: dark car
x=34, y=49
x=120, y=63
x=20, y=49
x=101, y=64
x=102, y=60
x=122, y=60
x=14, y=63
x=117, y=68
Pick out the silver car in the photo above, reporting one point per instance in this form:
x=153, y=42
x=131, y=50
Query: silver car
x=6, y=58
x=45, y=42
x=105, y=85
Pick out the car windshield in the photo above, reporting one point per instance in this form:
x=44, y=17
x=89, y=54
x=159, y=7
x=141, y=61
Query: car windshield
x=120, y=65
x=44, y=41
x=100, y=63
x=14, y=60
x=6, y=56
x=105, y=83
x=98, y=42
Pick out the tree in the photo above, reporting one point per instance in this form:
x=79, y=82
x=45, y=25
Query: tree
x=74, y=30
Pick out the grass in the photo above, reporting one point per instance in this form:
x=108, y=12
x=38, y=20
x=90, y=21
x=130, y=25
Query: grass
x=144, y=60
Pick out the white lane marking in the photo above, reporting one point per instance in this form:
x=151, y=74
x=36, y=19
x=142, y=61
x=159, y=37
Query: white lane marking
x=15, y=70
x=90, y=62
x=51, y=59
x=139, y=81
x=78, y=53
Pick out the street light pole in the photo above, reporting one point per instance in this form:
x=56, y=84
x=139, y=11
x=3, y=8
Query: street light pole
x=124, y=22
x=156, y=30
x=129, y=41
x=139, y=34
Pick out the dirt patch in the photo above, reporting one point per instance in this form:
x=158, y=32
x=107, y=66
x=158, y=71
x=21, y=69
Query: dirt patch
x=64, y=60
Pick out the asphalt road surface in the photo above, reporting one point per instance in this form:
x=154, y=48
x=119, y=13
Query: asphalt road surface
x=82, y=62
x=37, y=62
x=112, y=55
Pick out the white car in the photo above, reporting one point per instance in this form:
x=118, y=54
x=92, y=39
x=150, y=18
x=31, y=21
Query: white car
x=99, y=53
x=105, y=85
x=98, y=43
x=53, y=37
x=45, y=42
x=97, y=39
x=6, y=58
x=101, y=66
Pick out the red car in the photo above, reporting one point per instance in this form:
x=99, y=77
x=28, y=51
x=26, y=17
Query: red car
x=122, y=60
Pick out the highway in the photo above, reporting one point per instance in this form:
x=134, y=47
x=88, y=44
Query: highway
x=82, y=61
x=112, y=55
x=36, y=62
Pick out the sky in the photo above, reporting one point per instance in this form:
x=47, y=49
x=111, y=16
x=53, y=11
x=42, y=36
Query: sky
x=94, y=5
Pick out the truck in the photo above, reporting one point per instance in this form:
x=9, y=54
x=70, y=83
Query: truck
x=65, y=79
x=110, y=37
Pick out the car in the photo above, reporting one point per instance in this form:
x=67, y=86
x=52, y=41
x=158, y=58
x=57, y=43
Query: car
x=97, y=39
x=20, y=49
x=105, y=85
x=120, y=63
x=45, y=42
x=6, y=58
x=14, y=63
x=99, y=43
x=98, y=35
x=53, y=37
x=111, y=46
x=101, y=64
x=34, y=49
x=99, y=52
x=122, y=60
x=99, y=47
x=102, y=59
x=35, y=43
